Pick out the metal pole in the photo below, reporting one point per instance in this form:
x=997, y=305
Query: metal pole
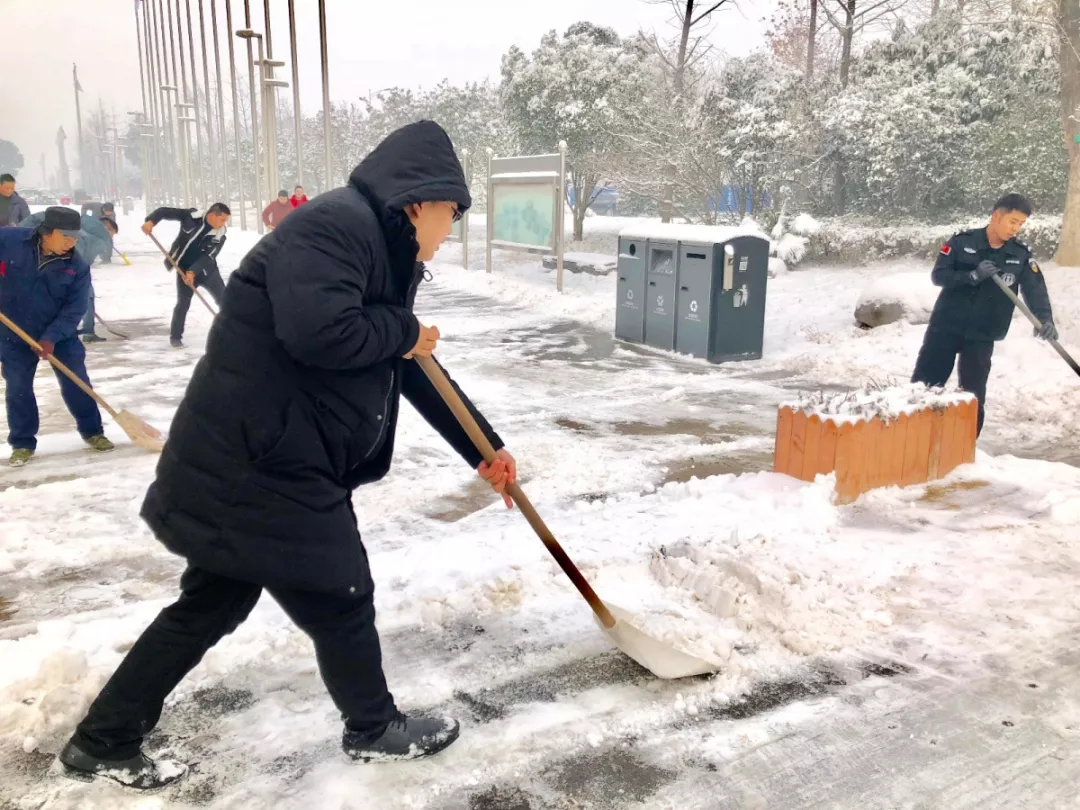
x=296, y=94
x=78, y=125
x=325, y=94
x=220, y=102
x=166, y=110
x=249, y=34
x=204, y=189
x=151, y=148
x=266, y=115
x=236, y=117
x=490, y=217
x=142, y=74
x=465, y=217
x=560, y=235
x=212, y=197
x=266, y=25
x=181, y=129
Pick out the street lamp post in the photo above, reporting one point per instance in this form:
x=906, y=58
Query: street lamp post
x=220, y=104
x=296, y=93
x=247, y=34
x=269, y=87
x=236, y=117
x=325, y=93
x=213, y=196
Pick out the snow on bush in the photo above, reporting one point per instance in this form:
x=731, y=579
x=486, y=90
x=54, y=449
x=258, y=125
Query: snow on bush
x=806, y=225
x=786, y=248
x=858, y=241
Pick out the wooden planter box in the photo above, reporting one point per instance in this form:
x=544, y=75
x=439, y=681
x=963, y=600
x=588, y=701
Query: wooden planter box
x=865, y=453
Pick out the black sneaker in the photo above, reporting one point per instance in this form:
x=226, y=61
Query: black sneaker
x=176, y=343
x=405, y=738
x=90, y=337
x=139, y=772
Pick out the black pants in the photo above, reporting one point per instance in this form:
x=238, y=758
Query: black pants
x=938, y=356
x=210, y=606
x=213, y=283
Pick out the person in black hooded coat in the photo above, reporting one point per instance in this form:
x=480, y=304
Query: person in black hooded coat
x=294, y=405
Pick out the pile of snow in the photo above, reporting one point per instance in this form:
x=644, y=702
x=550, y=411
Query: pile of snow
x=755, y=596
x=877, y=401
x=902, y=297
x=595, y=264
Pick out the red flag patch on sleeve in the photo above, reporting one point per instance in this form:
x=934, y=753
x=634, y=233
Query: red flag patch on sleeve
x=946, y=249
x=3, y=269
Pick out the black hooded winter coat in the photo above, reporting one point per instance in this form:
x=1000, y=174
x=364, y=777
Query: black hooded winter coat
x=295, y=402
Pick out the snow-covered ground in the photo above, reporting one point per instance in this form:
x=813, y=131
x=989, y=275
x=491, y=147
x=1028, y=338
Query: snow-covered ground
x=915, y=649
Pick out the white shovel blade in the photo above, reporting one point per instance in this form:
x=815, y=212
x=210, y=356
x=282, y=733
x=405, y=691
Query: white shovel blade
x=662, y=658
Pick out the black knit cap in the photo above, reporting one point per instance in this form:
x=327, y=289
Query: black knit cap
x=63, y=219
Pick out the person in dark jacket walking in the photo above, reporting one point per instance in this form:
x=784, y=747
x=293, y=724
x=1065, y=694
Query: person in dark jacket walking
x=195, y=250
x=971, y=313
x=44, y=288
x=13, y=208
x=293, y=406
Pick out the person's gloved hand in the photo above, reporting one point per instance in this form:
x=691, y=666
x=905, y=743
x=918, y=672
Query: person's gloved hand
x=1047, y=331
x=47, y=347
x=982, y=271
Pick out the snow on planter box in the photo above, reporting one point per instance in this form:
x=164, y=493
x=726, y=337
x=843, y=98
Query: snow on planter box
x=877, y=436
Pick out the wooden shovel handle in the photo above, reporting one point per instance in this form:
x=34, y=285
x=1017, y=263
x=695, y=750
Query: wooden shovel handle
x=180, y=273
x=450, y=396
x=90, y=392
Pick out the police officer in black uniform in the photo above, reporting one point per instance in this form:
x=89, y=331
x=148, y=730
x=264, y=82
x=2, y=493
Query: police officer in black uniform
x=971, y=312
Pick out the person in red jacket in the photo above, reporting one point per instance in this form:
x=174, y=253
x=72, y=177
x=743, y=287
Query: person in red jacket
x=277, y=210
x=298, y=197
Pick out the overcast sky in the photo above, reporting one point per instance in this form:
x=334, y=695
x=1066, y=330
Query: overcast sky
x=373, y=44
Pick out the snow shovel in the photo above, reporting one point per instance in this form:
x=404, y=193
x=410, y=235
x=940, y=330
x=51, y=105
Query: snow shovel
x=663, y=658
x=172, y=261
x=122, y=256
x=141, y=434
x=1005, y=288
x=109, y=328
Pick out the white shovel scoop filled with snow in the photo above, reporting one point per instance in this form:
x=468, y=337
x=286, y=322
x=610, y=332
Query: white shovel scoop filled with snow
x=661, y=654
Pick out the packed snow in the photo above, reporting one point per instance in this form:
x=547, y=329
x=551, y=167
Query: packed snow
x=871, y=651
x=877, y=401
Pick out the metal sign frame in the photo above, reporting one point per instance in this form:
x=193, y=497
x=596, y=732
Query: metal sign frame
x=466, y=165
x=530, y=170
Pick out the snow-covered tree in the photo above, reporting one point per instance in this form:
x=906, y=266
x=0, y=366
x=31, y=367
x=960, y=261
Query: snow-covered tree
x=11, y=159
x=575, y=87
x=1068, y=28
x=944, y=118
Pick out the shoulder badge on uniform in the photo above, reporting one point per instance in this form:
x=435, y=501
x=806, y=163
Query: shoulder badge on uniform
x=946, y=249
x=1034, y=265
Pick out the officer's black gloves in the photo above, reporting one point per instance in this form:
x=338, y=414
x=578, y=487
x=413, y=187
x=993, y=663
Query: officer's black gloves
x=982, y=272
x=1047, y=331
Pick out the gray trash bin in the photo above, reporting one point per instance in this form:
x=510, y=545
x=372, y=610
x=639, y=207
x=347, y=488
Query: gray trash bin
x=660, y=295
x=630, y=290
x=721, y=299
x=738, y=314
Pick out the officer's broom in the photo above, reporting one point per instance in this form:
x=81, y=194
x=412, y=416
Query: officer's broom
x=1005, y=288
x=141, y=434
